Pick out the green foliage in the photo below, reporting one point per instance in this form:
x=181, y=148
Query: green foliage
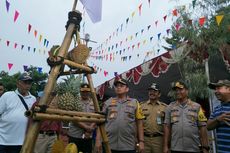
x=201, y=41
x=9, y=81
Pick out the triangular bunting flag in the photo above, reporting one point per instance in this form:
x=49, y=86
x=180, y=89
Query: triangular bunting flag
x=149, y=2
x=127, y=20
x=39, y=70
x=45, y=42
x=167, y=31
x=151, y=38
x=29, y=28
x=25, y=67
x=138, y=45
x=40, y=38
x=156, y=23
x=165, y=17
x=7, y=6
x=174, y=12
x=159, y=35
x=219, y=19
x=139, y=8
x=35, y=33
x=15, y=45
x=7, y=43
x=16, y=14
x=201, y=21
x=10, y=66
x=177, y=27
x=133, y=14
x=193, y=3
x=149, y=27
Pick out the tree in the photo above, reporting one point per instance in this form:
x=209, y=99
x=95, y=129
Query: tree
x=9, y=81
x=204, y=39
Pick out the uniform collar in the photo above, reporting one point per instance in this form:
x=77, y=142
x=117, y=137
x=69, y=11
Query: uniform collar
x=149, y=103
x=186, y=104
x=122, y=101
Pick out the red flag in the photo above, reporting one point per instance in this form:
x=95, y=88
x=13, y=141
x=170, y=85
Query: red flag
x=15, y=45
x=10, y=65
x=140, y=6
x=16, y=14
x=35, y=33
x=177, y=27
x=165, y=18
x=174, y=12
x=29, y=28
x=201, y=21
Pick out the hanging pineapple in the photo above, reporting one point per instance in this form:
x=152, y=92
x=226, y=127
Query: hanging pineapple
x=69, y=94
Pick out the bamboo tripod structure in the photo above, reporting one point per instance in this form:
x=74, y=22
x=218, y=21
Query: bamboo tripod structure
x=33, y=130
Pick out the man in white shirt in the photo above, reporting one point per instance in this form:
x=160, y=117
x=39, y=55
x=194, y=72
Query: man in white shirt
x=13, y=123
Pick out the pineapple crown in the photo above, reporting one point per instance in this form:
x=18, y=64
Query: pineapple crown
x=71, y=84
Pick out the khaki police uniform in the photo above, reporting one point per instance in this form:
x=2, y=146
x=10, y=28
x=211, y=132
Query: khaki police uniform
x=153, y=126
x=76, y=134
x=185, y=122
x=121, y=125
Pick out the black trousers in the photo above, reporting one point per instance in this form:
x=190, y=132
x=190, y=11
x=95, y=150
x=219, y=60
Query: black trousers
x=183, y=152
x=83, y=145
x=10, y=149
x=127, y=151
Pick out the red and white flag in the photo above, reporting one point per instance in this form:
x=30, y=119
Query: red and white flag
x=93, y=9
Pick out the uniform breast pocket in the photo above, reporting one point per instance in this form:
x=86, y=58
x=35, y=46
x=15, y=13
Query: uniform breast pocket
x=192, y=118
x=112, y=114
x=146, y=113
x=130, y=114
x=174, y=117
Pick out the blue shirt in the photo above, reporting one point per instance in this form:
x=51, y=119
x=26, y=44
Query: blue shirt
x=222, y=130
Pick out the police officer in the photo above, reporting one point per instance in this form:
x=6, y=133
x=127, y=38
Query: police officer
x=185, y=124
x=124, y=124
x=81, y=133
x=154, y=112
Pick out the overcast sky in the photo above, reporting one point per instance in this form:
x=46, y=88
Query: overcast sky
x=48, y=18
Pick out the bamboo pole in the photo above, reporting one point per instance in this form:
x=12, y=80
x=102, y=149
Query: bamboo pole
x=80, y=66
x=58, y=117
x=63, y=112
x=32, y=133
x=97, y=109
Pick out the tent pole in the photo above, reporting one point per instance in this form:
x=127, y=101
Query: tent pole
x=210, y=106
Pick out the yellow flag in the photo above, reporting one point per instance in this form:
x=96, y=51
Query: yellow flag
x=133, y=14
x=40, y=38
x=219, y=19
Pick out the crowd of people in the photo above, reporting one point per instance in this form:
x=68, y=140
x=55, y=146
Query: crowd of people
x=147, y=127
